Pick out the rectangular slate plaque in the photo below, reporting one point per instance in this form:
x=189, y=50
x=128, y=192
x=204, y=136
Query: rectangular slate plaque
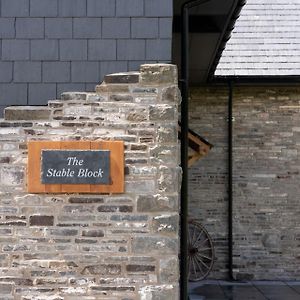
x=75, y=167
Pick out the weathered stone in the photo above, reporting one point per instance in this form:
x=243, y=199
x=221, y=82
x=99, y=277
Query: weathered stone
x=169, y=270
x=157, y=203
x=85, y=200
x=11, y=175
x=167, y=134
x=121, y=78
x=27, y=113
x=163, y=292
x=93, y=233
x=171, y=94
x=95, y=245
x=154, y=245
x=140, y=187
x=168, y=154
x=73, y=96
x=166, y=224
x=139, y=268
x=41, y=220
x=102, y=269
x=161, y=112
x=158, y=74
x=169, y=179
x=121, y=98
x=112, y=88
x=115, y=208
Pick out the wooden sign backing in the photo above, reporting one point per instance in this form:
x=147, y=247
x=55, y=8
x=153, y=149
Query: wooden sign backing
x=116, y=148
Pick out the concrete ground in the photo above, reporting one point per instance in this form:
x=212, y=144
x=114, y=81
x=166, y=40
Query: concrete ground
x=248, y=290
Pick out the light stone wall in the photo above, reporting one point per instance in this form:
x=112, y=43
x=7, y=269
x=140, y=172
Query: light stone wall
x=266, y=164
x=80, y=246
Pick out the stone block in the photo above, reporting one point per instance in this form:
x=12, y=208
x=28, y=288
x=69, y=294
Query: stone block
x=166, y=224
x=7, y=28
x=159, y=50
x=167, y=154
x=12, y=175
x=43, y=8
x=161, y=112
x=71, y=50
x=131, y=50
x=15, y=8
x=73, y=96
x=58, y=28
x=87, y=28
x=56, y=71
x=15, y=50
x=44, y=49
x=93, y=233
x=158, y=74
x=102, y=50
x=26, y=113
x=140, y=187
x=6, y=71
x=169, y=179
x=169, y=270
x=40, y=93
x=129, y=8
x=27, y=71
x=13, y=93
x=103, y=269
x=29, y=28
x=167, y=134
x=163, y=292
x=171, y=94
x=72, y=8
x=122, y=78
x=103, y=8
x=41, y=221
x=116, y=28
x=85, y=71
x=154, y=245
x=158, y=8
x=144, y=28
x=109, y=67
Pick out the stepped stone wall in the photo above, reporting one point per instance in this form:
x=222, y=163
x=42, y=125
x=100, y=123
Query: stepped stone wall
x=266, y=164
x=83, y=246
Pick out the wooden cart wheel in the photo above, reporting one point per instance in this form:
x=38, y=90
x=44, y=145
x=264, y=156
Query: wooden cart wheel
x=200, y=251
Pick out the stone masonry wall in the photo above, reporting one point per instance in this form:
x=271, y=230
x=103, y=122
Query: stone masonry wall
x=89, y=247
x=51, y=46
x=266, y=164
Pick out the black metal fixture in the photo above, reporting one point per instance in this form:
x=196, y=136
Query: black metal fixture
x=184, y=144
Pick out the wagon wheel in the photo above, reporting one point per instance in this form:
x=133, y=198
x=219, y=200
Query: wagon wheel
x=200, y=251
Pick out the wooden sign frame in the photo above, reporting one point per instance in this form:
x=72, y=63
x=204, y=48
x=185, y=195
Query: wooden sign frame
x=34, y=184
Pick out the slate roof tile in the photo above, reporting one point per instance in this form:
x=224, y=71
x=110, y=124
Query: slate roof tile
x=265, y=40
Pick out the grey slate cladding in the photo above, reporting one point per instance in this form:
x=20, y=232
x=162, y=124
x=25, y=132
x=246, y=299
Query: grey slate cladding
x=54, y=36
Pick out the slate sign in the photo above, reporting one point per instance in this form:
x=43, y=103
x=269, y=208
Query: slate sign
x=75, y=167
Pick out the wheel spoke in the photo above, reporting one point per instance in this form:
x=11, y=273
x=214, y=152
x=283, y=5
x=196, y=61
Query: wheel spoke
x=197, y=239
x=201, y=243
x=207, y=257
x=200, y=260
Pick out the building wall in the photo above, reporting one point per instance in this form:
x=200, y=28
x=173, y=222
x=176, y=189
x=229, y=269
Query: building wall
x=51, y=46
x=95, y=246
x=266, y=164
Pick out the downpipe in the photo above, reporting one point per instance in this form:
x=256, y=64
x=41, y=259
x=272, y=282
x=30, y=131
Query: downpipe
x=184, y=144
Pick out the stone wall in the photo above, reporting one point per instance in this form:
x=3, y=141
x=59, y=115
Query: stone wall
x=83, y=246
x=266, y=164
x=52, y=46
